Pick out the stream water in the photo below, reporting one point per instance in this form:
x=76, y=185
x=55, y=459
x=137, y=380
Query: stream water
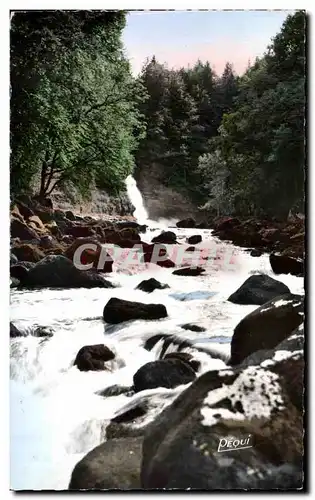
x=56, y=415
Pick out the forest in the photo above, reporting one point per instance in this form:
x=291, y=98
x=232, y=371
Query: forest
x=234, y=143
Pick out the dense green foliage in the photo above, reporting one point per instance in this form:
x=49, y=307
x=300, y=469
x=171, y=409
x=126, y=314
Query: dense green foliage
x=74, y=104
x=236, y=143
x=183, y=112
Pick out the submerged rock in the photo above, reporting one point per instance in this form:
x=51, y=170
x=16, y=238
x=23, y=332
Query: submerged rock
x=189, y=271
x=194, y=240
x=258, y=289
x=193, y=328
x=118, y=310
x=167, y=237
x=150, y=285
x=93, y=357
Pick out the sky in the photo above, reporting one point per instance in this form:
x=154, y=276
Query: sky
x=180, y=38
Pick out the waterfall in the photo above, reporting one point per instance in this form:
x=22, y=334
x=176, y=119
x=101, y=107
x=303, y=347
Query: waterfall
x=136, y=199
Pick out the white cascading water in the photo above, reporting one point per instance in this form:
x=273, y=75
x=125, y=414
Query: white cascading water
x=136, y=199
x=56, y=415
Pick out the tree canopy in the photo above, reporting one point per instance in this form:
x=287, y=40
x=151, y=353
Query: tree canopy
x=74, y=104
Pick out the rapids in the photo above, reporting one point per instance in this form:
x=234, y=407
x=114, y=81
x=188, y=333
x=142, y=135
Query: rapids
x=56, y=417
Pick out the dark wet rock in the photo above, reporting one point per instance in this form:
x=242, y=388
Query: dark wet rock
x=20, y=230
x=255, y=252
x=167, y=373
x=167, y=237
x=155, y=254
x=185, y=357
x=93, y=357
x=13, y=259
x=118, y=310
x=267, y=326
x=115, y=390
x=150, y=285
x=193, y=328
x=189, y=271
x=56, y=271
x=186, y=223
x=283, y=264
x=28, y=253
x=16, y=332
x=70, y=215
x=258, y=289
x=122, y=237
x=114, y=464
x=194, y=240
x=180, y=448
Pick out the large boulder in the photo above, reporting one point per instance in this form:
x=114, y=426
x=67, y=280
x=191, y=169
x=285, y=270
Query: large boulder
x=93, y=357
x=118, y=310
x=194, y=240
x=186, y=223
x=56, y=271
x=114, y=464
x=28, y=253
x=247, y=411
x=283, y=264
x=168, y=373
x=150, y=285
x=189, y=271
x=268, y=325
x=20, y=230
x=166, y=237
x=258, y=289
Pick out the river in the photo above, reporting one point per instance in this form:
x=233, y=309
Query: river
x=56, y=415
